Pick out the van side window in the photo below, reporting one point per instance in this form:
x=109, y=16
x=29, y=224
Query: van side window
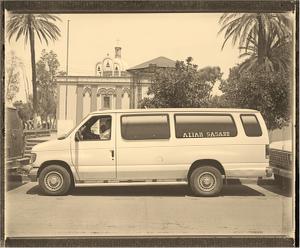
x=142, y=127
x=204, y=126
x=251, y=125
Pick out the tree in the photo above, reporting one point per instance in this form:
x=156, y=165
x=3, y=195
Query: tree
x=25, y=110
x=28, y=25
x=182, y=86
x=259, y=89
x=278, y=56
x=263, y=80
x=13, y=64
x=219, y=101
x=257, y=32
x=47, y=68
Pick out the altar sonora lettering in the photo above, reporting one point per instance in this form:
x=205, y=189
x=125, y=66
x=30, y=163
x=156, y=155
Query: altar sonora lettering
x=193, y=135
x=217, y=134
x=207, y=134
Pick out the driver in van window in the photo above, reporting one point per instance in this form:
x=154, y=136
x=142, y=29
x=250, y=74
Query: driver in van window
x=87, y=133
x=105, y=131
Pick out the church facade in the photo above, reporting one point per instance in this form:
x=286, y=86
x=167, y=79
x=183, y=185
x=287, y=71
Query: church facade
x=113, y=86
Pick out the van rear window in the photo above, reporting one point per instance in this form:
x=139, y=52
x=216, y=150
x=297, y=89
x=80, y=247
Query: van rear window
x=204, y=126
x=142, y=127
x=251, y=125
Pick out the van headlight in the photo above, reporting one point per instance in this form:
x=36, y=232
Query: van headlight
x=32, y=158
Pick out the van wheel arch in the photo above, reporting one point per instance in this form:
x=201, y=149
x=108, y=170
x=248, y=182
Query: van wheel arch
x=206, y=162
x=59, y=163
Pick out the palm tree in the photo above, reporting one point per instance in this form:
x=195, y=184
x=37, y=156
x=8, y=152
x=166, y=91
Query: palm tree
x=255, y=28
x=28, y=25
x=277, y=54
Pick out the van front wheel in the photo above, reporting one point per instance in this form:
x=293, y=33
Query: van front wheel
x=206, y=181
x=55, y=180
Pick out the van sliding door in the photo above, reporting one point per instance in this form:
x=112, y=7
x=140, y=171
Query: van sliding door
x=143, y=147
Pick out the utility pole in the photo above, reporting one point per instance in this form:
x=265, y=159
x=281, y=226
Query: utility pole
x=67, y=71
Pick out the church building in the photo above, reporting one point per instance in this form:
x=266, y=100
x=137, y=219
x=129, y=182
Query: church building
x=113, y=86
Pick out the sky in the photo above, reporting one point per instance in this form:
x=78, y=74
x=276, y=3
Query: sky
x=141, y=36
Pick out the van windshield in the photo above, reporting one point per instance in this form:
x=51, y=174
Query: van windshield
x=63, y=136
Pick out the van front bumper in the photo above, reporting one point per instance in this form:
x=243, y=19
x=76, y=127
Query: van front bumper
x=33, y=174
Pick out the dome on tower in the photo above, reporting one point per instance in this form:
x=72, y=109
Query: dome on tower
x=111, y=66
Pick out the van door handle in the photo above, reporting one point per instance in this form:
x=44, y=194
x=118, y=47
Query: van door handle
x=112, y=154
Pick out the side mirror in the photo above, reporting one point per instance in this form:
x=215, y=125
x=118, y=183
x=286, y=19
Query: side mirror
x=77, y=136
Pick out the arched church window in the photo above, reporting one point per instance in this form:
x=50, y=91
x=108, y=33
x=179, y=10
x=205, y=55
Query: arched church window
x=116, y=68
x=99, y=69
x=107, y=64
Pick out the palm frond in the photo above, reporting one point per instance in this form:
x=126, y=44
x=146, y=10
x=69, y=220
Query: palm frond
x=248, y=64
x=229, y=25
x=225, y=17
x=246, y=54
x=269, y=32
x=227, y=36
x=247, y=31
x=42, y=24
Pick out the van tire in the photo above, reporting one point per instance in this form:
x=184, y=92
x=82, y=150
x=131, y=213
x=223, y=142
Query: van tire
x=55, y=180
x=206, y=181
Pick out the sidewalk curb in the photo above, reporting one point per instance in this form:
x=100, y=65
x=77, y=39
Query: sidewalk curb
x=257, y=181
x=18, y=178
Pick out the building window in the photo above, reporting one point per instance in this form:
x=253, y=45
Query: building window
x=106, y=102
x=144, y=127
x=204, y=126
x=251, y=125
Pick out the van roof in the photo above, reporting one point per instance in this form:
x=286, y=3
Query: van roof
x=227, y=110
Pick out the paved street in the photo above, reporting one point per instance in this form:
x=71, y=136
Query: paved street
x=241, y=209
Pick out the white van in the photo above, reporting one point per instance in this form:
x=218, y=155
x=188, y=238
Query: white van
x=198, y=147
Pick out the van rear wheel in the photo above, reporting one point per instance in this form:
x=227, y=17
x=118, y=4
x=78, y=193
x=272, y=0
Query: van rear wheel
x=206, y=181
x=55, y=180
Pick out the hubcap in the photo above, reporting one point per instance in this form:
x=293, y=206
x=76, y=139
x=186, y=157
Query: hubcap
x=207, y=181
x=53, y=180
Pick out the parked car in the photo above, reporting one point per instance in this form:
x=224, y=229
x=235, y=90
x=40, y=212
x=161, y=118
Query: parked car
x=14, y=135
x=281, y=162
x=14, y=142
x=198, y=147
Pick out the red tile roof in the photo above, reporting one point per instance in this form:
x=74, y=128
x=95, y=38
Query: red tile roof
x=159, y=62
